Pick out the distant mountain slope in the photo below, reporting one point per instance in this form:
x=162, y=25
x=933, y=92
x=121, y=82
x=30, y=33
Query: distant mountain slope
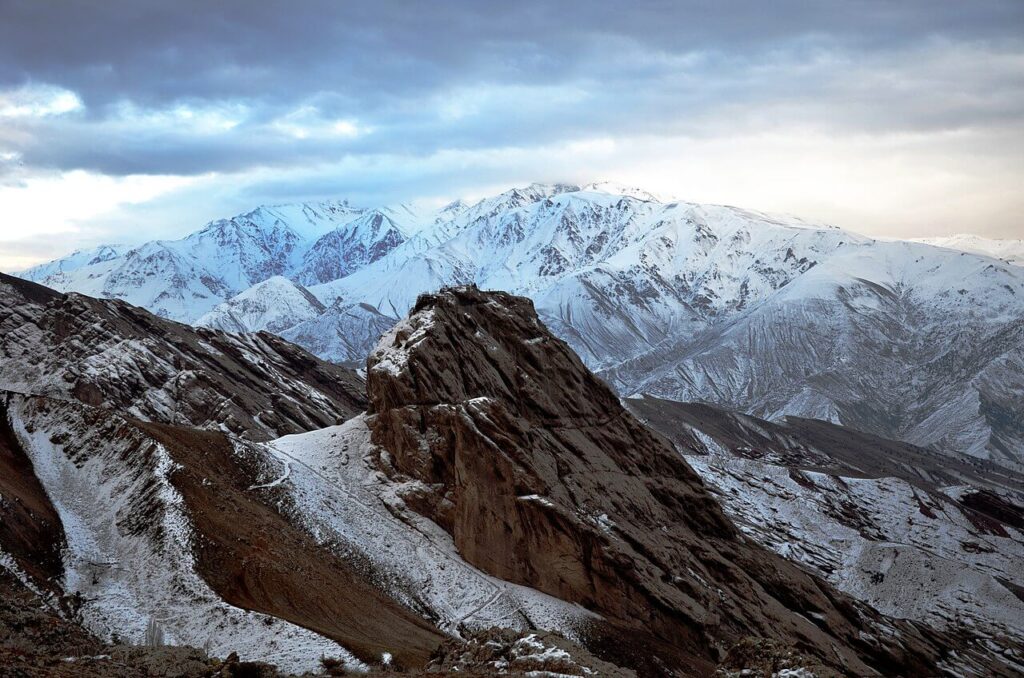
x=765, y=314
x=923, y=345
x=1010, y=251
x=912, y=532
x=183, y=279
x=341, y=333
x=274, y=305
x=348, y=248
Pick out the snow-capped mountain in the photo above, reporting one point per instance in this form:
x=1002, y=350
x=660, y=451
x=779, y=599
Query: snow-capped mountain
x=274, y=305
x=764, y=314
x=1010, y=251
x=613, y=274
x=184, y=279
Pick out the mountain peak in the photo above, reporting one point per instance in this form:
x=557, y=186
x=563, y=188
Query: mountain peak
x=616, y=188
x=538, y=191
x=455, y=206
x=274, y=305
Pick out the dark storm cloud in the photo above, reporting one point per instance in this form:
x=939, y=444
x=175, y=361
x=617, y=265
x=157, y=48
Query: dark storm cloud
x=373, y=52
x=416, y=78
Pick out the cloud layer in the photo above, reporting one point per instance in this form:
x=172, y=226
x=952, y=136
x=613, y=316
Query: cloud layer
x=229, y=104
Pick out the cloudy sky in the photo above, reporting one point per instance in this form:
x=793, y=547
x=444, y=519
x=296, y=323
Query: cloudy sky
x=128, y=120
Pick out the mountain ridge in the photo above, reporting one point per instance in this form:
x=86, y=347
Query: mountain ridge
x=675, y=299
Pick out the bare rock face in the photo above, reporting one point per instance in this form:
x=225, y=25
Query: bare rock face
x=110, y=354
x=542, y=478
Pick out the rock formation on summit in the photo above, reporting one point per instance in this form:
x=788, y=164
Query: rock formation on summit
x=542, y=478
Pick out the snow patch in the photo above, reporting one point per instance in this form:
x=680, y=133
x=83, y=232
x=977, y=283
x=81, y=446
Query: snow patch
x=348, y=505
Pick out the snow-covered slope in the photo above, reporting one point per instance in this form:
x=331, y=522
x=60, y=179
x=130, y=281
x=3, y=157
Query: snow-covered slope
x=274, y=305
x=912, y=555
x=1009, y=250
x=157, y=276
x=341, y=333
x=914, y=534
x=121, y=513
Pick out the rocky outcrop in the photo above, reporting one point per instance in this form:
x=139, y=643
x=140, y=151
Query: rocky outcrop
x=108, y=353
x=542, y=478
x=506, y=652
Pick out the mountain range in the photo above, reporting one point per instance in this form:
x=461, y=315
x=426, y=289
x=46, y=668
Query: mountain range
x=767, y=315
x=480, y=503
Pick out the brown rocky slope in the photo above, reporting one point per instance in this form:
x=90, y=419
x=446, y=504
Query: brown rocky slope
x=542, y=478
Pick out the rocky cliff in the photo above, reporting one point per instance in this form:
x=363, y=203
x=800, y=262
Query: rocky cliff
x=542, y=478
